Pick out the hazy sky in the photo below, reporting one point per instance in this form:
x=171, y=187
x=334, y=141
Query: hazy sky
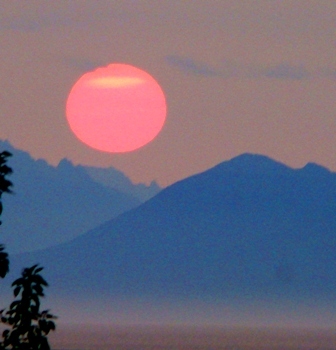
x=239, y=76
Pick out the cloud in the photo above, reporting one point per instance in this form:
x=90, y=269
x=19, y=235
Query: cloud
x=189, y=65
x=230, y=69
x=286, y=71
x=328, y=73
x=20, y=24
x=25, y=24
x=81, y=63
x=34, y=25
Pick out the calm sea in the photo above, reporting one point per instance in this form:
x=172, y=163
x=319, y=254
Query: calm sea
x=184, y=338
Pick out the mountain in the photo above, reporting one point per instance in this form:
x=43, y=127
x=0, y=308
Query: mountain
x=250, y=227
x=51, y=204
x=113, y=178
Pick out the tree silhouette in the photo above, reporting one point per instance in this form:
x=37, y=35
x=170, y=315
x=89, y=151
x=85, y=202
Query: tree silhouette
x=29, y=326
x=5, y=170
x=5, y=186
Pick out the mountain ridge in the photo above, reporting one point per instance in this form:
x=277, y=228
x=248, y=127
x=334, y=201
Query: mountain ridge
x=219, y=234
x=51, y=204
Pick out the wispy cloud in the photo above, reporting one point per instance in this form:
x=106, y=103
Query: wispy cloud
x=30, y=24
x=189, y=65
x=40, y=16
x=329, y=73
x=81, y=63
x=230, y=69
x=286, y=71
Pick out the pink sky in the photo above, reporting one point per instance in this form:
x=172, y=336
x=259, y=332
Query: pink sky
x=239, y=76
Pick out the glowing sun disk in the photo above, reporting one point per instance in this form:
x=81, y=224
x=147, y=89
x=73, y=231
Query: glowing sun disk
x=118, y=108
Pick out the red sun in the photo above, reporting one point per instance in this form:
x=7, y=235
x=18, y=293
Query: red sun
x=117, y=108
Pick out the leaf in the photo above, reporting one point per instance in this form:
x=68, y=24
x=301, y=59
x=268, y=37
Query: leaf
x=4, y=261
x=29, y=327
x=31, y=269
x=43, y=325
x=38, y=289
x=17, y=291
x=11, y=312
x=36, y=299
x=18, y=281
x=39, y=280
x=14, y=304
x=51, y=325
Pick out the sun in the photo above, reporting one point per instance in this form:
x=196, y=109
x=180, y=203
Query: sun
x=117, y=108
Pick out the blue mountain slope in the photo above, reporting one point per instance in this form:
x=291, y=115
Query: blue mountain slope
x=248, y=227
x=51, y=205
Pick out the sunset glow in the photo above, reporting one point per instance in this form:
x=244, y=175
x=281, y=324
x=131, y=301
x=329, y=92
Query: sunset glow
x=115, y=82
x=118, y=108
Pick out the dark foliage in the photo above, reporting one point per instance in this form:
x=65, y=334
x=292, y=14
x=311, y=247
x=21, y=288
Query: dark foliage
x=4, y=262
x=29, y=326
x=5, y=186
x=5, y=170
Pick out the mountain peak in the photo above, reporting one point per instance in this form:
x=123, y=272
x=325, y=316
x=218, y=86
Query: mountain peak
x=65, y=165
x=253, y=163
x=65, y=162
x=313, y=168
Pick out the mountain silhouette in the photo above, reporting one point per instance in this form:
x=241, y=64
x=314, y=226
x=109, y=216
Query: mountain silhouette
x=113, y=178
x=51, y=204
x=249, y=227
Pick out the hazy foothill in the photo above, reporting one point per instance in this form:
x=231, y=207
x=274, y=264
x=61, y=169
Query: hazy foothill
x=24, y=325
x=250, y=228
x=51, y=204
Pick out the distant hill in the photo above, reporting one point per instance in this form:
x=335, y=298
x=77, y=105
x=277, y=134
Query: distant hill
x=51, y=204
x=249, y=227
x=113, y=178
